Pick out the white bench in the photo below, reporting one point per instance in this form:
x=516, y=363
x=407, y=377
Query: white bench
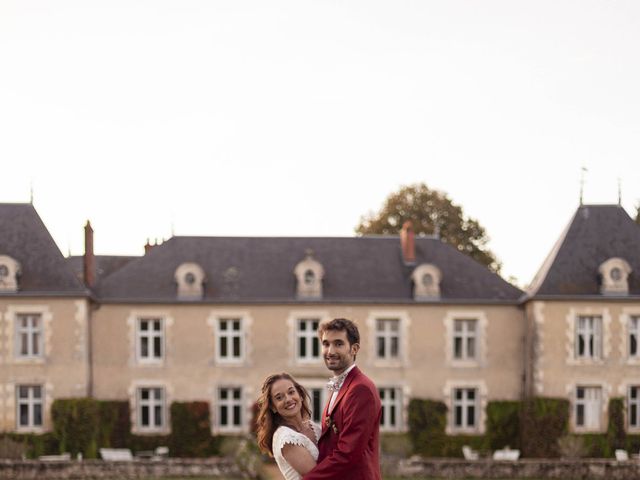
x=116, y=454
x=64, y=457
x=469, y=453
x=506, y=454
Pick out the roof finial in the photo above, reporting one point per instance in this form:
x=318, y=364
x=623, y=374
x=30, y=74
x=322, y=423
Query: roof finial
x=619, y=192
x=583, y=171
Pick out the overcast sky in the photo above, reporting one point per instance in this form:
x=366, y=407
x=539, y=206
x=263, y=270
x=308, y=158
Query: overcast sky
x=270, y=118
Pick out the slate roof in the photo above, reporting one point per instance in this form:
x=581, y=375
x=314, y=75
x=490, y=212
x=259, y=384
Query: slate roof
x=260, y=269
x=24, y=237
x=105, y=265
x=595, y=234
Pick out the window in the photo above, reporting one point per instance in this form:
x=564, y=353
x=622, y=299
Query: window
x=388, y=338
x=634, y=406
x=150, y=339
x=465, y=408
x=230, y=339
x=464, y=339
x=588, y=407
x=29, y=334
x=589, y=337
x=29, y=406
x=308, y=343
x=151, y=408
x=634, y=336
x=391, y=408
x=230, y=408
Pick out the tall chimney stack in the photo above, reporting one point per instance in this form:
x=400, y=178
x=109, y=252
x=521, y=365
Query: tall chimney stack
x=89, y=261
x=407, y=242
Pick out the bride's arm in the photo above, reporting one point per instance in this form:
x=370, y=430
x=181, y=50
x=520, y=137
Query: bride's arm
x=298, y=457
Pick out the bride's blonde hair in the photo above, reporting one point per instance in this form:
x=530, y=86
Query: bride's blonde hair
x=268, y=421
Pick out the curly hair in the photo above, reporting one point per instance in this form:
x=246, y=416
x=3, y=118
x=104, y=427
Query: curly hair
x=268, y=421
x=341, y=325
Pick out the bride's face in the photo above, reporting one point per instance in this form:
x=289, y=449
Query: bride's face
x=285, y=398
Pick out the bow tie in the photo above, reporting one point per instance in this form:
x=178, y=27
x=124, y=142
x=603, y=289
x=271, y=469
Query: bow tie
x=335, y=383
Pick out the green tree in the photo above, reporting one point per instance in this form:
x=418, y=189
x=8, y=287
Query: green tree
x=432, y=212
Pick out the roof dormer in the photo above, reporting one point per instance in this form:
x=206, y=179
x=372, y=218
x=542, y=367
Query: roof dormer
x=190, y=279
x=614, y=275
x=9, y=273
x=426, y=282
x=309, y=274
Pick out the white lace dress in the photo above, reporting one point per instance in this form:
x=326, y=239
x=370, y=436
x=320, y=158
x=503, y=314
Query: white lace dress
x=284, y=435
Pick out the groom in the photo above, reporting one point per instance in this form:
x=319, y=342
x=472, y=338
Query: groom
x=349, y=442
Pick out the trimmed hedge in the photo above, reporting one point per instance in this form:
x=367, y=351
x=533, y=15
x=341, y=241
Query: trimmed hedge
x=191, y=430
x=503, y=424
x=76, y=425
x=427, y=423
x=35, y=444
x=543, y=422
x=115, y=424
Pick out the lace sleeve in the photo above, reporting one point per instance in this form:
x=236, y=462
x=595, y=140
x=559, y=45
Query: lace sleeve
x=286, y=435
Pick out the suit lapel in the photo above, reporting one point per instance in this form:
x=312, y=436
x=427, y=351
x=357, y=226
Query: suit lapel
x=345, y=386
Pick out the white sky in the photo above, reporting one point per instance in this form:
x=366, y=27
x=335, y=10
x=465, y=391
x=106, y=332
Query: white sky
x=296, y=118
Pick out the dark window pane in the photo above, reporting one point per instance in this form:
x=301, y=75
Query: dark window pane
x=303, y=325
x=236, y=325
x=302, y=346
x=156, y=325
x=223, y=394
x=23, y=392
x=37, y=415
x=580, y=392
x=236, y=393
x=633, y=415
x=144, y=394
x=383, y=416
x=236, y=346
x=381, y=347
x=634, y=392
x=314, y=325
x=381, y=392
x=458, y=416
x=144, y=347
x=315, y=342
x=471, y=416
x=158, y=415
x=633, y=345
x=24, y=415
x=223, y=324
x=316, y=404
x=24, y=344
x=581, y=345
x=392, y=412
x=145, y=416
x=224, y=420
x=236, y=415
x=37, y=392
x=471, y=347
x=144, y=325
x=392, y=394
x=457, y=347
x=157, y=347
x=580, y=415
x=223, y=346
x=471, y=394
x=157, y=393
x=458, y=394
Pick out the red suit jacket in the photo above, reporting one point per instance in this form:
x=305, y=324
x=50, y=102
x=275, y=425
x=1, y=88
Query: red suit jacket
x=349, y=442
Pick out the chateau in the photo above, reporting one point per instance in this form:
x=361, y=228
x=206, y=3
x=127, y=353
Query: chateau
x=207, y=318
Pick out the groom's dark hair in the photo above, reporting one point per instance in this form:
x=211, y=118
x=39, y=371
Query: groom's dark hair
x=341, y=325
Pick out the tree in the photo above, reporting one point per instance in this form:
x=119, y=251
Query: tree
x=432, y=212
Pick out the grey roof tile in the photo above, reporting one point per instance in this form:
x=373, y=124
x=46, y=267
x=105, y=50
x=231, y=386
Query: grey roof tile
x=24, y=237
x=595, y=234
x=256, y=269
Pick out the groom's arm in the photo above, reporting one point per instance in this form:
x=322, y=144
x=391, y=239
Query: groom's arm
x=360, y=417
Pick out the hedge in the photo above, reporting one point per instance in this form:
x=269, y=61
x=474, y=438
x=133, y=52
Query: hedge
x=191, y=430
x=543, y=421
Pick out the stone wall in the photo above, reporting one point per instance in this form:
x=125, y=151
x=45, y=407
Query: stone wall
x=591, y=469
x=97, y=469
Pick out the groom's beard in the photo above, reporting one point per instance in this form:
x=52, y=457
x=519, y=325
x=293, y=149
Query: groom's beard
x=337, y=363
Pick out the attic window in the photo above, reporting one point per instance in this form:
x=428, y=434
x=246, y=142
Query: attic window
x=9, y=273
x=309, y=274
x=190, y=279
x=426, y=282
x=614, y=274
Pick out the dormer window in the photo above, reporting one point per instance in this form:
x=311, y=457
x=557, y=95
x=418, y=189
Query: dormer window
x=614, y=274
x=309, y=274
x=190, y=279
x=426, y=282
x=9, y=273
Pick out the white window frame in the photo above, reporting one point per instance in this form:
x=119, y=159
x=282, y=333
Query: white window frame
x=592, y=408
x=229, y=335
x=229, y=403
x=404, y=325
x=465, y=335
x=481, y=326
x=151, y=403
x=386, y=334
x=391, y=400
x=464, y=404
x=591, y=333
x=633, y=408
x=30, y=331
x=31, y=401
x=309, y=336
x=150, y=334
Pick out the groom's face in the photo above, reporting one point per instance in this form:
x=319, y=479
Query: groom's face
x=338, y=354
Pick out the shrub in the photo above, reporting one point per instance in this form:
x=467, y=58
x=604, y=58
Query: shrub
x=191, y=430
x=543, y=422
x=75, y=425
x=616, y=435
x=12, y=449
x=572, y=446
x=114, y=424
x=427, y=423
x=503, y=424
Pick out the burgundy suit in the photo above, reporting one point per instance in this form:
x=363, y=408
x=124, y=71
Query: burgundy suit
x=349, y=442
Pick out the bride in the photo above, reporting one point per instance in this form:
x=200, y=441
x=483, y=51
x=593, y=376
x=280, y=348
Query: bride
x=285, y=430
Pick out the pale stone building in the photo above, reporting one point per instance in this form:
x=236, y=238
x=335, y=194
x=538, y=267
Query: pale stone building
x=583, y=317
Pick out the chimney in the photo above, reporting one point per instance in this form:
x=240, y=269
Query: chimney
x=89, y=261
x=407, y=242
